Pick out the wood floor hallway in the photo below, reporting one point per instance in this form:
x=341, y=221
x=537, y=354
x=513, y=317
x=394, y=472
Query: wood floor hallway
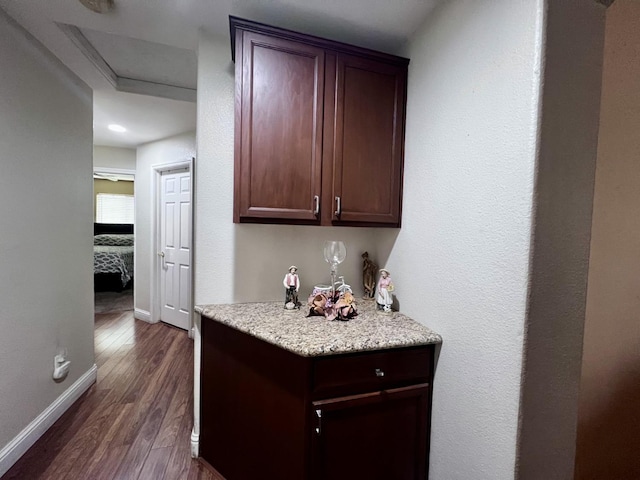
x=135, y=421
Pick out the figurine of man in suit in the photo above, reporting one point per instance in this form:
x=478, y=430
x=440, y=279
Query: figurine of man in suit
x=291, y=284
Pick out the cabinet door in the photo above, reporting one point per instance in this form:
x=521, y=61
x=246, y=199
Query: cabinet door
x=368, y=133
x=278, y=128
x=377, y=436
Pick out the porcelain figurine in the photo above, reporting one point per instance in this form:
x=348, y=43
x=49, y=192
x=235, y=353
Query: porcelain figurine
x=369, y=270
x=291, y=284
x=384, y=297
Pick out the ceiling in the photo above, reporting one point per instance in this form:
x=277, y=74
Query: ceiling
x=142, y=60
x=146, y=118
x=148, y=46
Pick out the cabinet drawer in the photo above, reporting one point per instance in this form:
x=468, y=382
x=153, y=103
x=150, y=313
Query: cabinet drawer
x=351, y=374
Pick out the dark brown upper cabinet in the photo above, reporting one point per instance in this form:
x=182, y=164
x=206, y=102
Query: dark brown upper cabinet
x=319, y=129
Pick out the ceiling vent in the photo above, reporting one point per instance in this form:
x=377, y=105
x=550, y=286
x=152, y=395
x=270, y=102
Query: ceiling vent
x=98, y=6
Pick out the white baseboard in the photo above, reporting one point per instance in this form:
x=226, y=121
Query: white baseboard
x=195, y=444
x=142, y=315
x=12, y=452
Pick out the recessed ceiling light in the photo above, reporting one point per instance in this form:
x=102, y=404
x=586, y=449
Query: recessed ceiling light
x=116, y=128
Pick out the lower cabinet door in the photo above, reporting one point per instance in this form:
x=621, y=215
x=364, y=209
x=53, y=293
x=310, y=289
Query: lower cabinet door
x=378, y=435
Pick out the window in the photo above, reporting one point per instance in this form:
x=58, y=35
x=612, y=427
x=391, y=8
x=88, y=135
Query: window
x=112, y=208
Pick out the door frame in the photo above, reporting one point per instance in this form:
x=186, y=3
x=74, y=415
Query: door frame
x=115, y=171
x=156, y=195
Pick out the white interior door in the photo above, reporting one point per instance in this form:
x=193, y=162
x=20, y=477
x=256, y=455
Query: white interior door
x=175, y=242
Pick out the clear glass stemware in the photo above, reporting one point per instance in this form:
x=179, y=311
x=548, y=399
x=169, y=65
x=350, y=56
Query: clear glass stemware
x=334, y=254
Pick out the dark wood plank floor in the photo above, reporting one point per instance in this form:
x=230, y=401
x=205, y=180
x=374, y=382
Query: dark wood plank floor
x=135, y=421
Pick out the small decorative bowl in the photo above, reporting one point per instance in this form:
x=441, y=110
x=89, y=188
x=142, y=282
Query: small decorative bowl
x=321, y=289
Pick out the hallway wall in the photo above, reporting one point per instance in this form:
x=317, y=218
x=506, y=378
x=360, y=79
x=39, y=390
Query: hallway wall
x=168, y=150
x=609, y=416
x=460, y=262
x=46, y=286
x=565, y=173
x=114, y=157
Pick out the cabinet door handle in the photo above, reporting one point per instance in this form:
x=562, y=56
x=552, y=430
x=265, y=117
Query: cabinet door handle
x=379, y=372
x=316, y=204
x=338, y=206
x=319, y=427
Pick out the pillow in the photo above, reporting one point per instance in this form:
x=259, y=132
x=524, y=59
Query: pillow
x=117, y=240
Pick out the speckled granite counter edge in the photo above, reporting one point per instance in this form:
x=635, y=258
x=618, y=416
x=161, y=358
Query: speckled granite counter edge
x=316, y=336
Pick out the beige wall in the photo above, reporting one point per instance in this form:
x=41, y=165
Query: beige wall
x=120, y=187
x=168, y=150
x=608, y=444
x=244, y=263
x=46, y=283
x=114, y=157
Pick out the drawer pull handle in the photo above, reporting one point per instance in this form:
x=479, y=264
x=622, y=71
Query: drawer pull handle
x=379, y=373
x=319, y=427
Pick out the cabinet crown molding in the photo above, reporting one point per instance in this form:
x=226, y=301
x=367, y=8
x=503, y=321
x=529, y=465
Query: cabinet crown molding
x=257, y=27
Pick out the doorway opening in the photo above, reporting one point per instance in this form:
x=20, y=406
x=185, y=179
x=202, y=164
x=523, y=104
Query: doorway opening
x=114, y=237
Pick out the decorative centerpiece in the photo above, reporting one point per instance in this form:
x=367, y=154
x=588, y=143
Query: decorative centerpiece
x=328, y=301
x=332, y=304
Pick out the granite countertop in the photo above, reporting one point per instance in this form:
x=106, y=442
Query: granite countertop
x=315, y=336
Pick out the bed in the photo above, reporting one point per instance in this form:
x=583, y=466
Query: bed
x=112, y=256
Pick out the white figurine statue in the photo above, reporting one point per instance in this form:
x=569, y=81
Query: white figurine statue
x=384, y=296
x=291, y=284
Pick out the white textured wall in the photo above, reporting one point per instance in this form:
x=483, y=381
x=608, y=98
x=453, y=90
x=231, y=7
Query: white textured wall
x=608, y=443
x=461, y=259
x=114, y=157
x=237, y=263
x=169, y=150
x=46, y=242
x=560, y=256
